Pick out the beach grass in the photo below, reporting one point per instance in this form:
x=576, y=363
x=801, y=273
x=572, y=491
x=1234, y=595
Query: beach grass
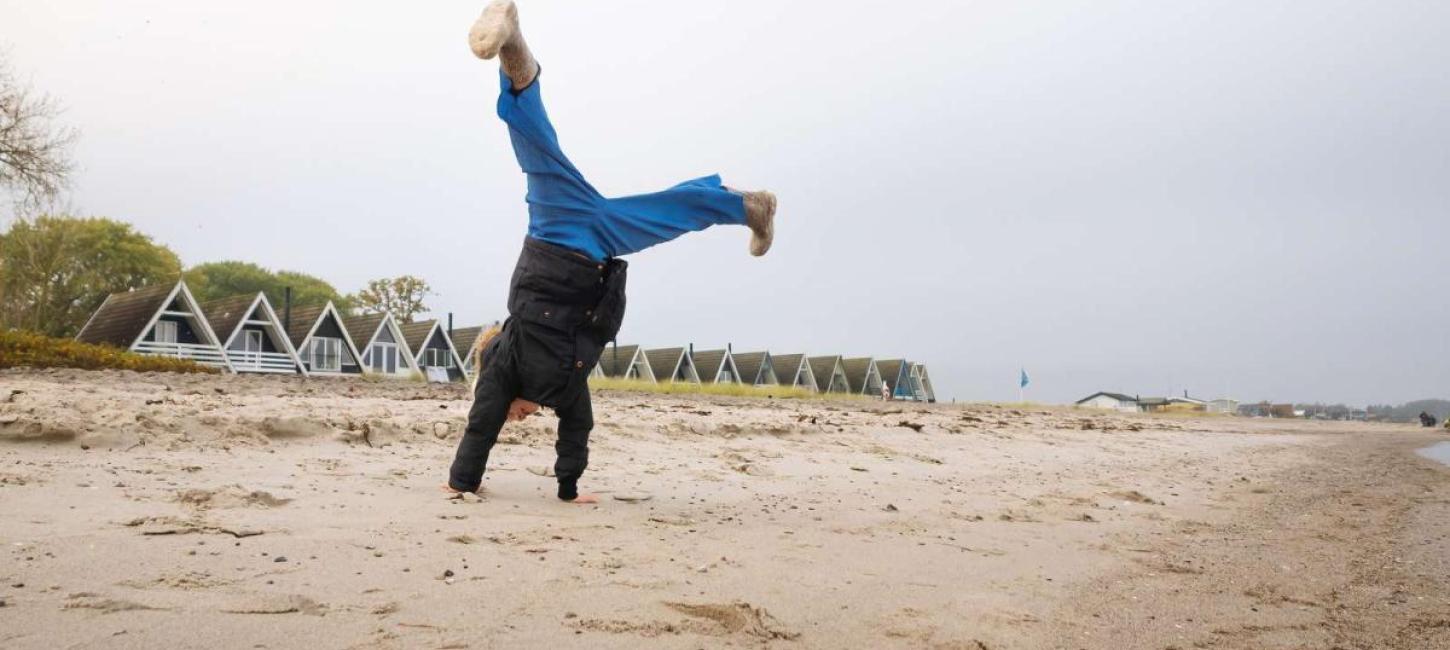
x=732, y=390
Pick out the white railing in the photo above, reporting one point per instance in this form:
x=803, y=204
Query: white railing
x=205, y=354
x=243, y=361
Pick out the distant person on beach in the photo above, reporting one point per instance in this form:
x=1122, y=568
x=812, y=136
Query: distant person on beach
x=566, y=299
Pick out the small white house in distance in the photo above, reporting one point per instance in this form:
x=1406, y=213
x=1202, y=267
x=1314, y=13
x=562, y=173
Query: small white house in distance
x=1110, y=401
x=1223, y=405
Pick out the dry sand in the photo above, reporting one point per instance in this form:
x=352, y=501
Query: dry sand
x=157, y=511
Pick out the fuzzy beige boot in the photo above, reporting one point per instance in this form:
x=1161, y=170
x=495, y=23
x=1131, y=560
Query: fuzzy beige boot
x=760, y=217
x=496, y=33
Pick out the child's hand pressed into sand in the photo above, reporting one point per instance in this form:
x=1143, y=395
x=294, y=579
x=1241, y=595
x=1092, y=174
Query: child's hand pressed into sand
x=520, y=409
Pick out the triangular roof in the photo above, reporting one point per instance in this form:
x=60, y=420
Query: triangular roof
x=418, y=334
x=617, y=360
x=923, y=378
x=463, y=339
x=124, y=317
x=713, y=361
x=665, y=361
x=788, y=366
x=858, y=370
x=824, y=369
x=367, y=327
x=752, y=364
x=305, y=321
x=227, y=314
x=363, y=328
x=895, y=372
x=1117, y=396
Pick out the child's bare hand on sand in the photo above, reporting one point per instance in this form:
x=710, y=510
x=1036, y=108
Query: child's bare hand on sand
x=520, y=409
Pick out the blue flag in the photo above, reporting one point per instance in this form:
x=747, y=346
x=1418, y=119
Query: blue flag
x=1025, y=380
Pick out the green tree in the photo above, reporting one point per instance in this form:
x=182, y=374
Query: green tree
x=56, y=270
x=403, y=296
x=214, y=280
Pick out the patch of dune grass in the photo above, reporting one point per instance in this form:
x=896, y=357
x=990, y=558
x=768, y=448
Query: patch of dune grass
x=733, y=390
x=20, y=349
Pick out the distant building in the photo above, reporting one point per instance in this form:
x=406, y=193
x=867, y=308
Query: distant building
x=431, y=348
x=863, y=376
x=1224, y=405
x=794, y=370
x=1110, y=401
x=757, y=368
x=830, y=374
x=716, y=366
x=626, y=362
x=673, y=364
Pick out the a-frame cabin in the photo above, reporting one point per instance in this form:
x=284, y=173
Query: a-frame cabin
x=252, y=335
x=756, y=368
x=432, y=349
x=896, y=374
x=160, y=320
x=865, y=378
x=673, y=364
x=921, y=383
x=322, y=340
x=830, y=374
x=463, y=339
x=625, y=362
x=794, y=370
x=380, y=343
x=716, y=367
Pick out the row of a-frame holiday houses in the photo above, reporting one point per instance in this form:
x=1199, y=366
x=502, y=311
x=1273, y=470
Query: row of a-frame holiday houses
x=246, y=334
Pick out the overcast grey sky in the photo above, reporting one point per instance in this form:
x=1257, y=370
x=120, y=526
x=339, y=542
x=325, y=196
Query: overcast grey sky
x=1226, y=197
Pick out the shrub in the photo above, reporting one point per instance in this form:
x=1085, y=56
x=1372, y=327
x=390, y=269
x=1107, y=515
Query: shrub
x=20, y=349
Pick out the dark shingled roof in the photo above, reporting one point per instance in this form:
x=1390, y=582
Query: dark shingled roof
x=751, y=363
x=824, y=368
x=123, y=317
x=416, y=334
x=708, y=363
x=361, y=328
x=856, y=371
x=893, y=371
x=225, y=314
x=786, y=367
x=303, y=318
x=663, y=362
x=625, y=356
x=463, y=339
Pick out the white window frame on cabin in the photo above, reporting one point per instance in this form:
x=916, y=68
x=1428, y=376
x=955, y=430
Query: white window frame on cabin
x=249, y=336
x=379, y=355
x=323, y=349
x=437, y=358
x=170, y=330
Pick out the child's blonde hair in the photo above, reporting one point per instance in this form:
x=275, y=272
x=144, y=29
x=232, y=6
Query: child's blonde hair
x=476, y=354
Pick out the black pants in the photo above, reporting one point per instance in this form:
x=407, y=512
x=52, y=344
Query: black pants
x=491, y=399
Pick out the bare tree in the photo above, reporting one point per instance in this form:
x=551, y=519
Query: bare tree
x=35, y=158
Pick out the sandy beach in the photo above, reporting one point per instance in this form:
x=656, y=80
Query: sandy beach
x=145, y=511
